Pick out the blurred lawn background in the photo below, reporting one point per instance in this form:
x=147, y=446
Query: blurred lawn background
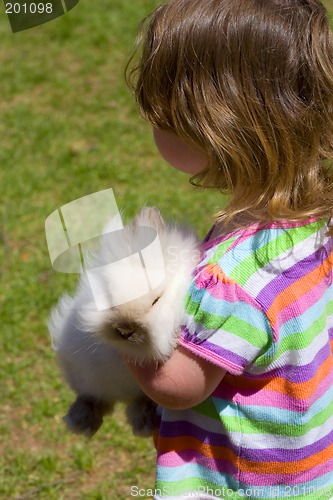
x=68, y=128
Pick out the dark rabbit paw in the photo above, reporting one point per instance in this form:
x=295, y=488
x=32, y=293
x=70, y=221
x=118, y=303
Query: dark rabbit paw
x=85, y=415
x=142, y=416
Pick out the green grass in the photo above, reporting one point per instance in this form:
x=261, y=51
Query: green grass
x=68, y=128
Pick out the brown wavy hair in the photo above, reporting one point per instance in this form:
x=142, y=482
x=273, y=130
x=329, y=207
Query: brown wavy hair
x=249, y=82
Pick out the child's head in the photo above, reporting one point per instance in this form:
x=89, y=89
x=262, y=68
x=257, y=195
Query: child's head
x=250, y=82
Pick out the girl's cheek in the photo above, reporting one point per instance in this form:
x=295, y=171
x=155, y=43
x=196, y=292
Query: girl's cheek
x=179, y=154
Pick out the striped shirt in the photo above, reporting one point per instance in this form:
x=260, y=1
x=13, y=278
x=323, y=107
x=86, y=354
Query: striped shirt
x=261, y=307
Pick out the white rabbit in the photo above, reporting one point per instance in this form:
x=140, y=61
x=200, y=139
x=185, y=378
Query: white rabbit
x=141, y=321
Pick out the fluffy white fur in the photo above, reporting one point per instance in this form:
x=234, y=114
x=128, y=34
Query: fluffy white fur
x=87, y=340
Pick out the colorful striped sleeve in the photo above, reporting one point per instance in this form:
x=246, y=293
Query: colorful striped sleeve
x=223, y=323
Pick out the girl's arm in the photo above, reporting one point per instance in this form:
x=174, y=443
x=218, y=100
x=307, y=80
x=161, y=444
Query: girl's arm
x=182, y=382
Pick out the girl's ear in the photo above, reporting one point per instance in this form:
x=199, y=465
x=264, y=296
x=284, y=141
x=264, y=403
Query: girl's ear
x=151, y=217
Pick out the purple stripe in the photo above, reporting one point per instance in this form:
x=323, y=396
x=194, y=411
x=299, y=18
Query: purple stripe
x=240, y=236
x=272, y=226
x=253, y=397
x=294, y=374
x=184, y=428
x=292, y=274
x=253, y=229
x=219, y=351
x=282, y=455
x=303, y=304
x=244, y=236
x=188, y=429
x=188, y=457
x=230, y=356
x=258, y=228
x=297, y=374
x=251, y=478
x=212, y=357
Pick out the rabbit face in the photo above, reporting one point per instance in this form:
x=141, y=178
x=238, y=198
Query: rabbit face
x=146, y=326
x=125, y=326
x=128, y=325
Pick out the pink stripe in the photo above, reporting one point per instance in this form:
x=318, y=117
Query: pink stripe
x=245, y=234
x=263, y=479
x=185, y=457
x=271, y=398
x=251, y=230
x=172, y=459
x=303, y=303
x=262, y=398
x=210, y=356
x=227, y=290
x=322, y=387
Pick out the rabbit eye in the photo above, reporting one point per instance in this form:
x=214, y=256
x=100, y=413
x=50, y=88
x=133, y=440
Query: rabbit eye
x=156, y=300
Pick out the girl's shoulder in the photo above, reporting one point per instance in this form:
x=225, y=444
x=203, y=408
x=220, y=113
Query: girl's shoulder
x=277, y=245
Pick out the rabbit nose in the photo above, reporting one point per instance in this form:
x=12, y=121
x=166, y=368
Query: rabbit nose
x=126, y=330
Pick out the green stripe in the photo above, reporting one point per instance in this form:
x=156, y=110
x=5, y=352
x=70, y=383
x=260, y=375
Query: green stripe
x=277, y=428
x=298, y=340
x=208, y=409
x=191, y=485
x=186, y=486
x=232, y=324
x=288, y=239
x=221, y=250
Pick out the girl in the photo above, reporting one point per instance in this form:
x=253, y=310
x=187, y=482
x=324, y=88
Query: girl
x=240, y=96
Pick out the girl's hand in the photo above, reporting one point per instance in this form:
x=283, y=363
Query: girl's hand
x=182, y=382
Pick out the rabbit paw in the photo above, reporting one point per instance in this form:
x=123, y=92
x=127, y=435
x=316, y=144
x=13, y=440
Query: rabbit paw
x=85, y=416
x=141, y=415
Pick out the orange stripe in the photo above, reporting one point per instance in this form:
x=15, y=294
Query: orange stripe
x=182, y=443
x=217, y=272
x=298, y=289
x=301, y=390
x=294, y=467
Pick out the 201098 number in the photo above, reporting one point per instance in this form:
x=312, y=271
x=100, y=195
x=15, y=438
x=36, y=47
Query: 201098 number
x=25, y=8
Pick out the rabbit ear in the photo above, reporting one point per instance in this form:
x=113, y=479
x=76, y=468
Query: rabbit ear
x=151, y=217
x=114, y=224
